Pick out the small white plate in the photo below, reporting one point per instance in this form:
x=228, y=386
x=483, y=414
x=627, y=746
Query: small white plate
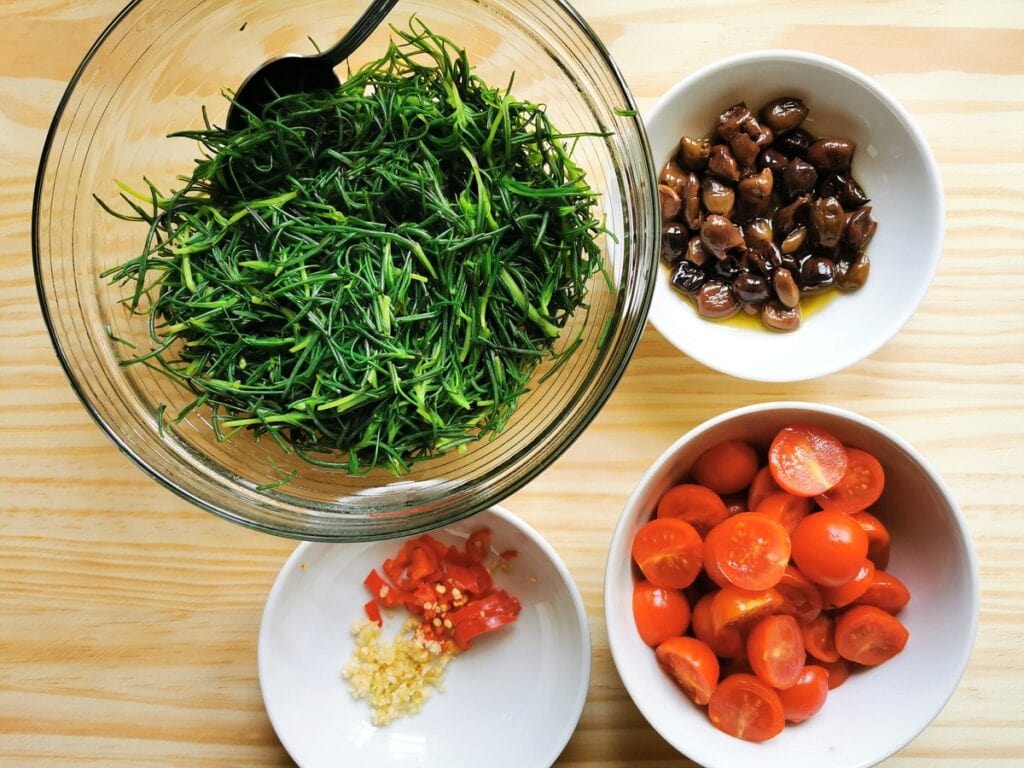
x=512, y=701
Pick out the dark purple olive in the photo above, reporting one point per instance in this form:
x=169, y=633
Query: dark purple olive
x=817, y=274
x=786, y=289
x=783, y=114
x=773, y=160
x=695, y=252
x=764, y=257
x=845, y=188
x=794, y=143
x=725, y=270
x=670, y=202
x=693, y=153
x=851, y=274
x=827, y=221
x=673, y=176
x=720, y=236
x=687, y=277
x=757, y=229
x=674, y=239
x=798, y=177
x=780, y=318
x=691, y=201
x=829, y=154
x=717, y=197
x=730, y=122
x=722, y=164
x=756, y=191
x=790, y=216
x=715, y=300
x=860, y=228
x=750, y=288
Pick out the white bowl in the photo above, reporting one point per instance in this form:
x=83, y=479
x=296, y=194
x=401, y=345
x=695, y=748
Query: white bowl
x=515, y=697
x=892, y=162
x=877, y=711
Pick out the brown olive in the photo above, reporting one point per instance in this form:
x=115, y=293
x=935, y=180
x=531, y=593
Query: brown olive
x=794, y=143
x=750, y=288
x=786, y=289
x=794, y=241
x=670, y=202
x=673, y=176
x=757, y=229
x=717, y=197
x=674, y=238
x=773, y=160
x=853, y=273
x=687, y=277
x=860, y=228
x=798, y=177
x=744, y=149
x=730, y=122
x=831, y=154
x=845, y=188
x=783, y=114
x=695, y=251
x=827, y=221
x=781, y=318
x=693, y=153
x=715, y=300
x=691, y=201
x=720, y=236
x=756, y=191
x=789, y=216
x=764, y=256
x=817, y=274
x=722, y=164
x=752, y=308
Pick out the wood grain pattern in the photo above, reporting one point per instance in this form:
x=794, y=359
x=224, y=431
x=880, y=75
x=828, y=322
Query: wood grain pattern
x=128, y=619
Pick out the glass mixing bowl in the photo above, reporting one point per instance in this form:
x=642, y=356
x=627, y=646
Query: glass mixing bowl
x=149, y=74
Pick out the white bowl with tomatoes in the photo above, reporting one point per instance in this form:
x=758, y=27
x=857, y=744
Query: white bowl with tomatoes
x=791, y=585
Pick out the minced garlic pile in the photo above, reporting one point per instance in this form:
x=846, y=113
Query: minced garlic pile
x=395, y=677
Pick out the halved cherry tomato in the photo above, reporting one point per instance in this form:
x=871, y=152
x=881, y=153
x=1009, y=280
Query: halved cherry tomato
x=785, y=509
x=838, y=672
x=775, y=650
x=800, y=598
x=886, y=592
x=803, y=699
x=699, y=506
x=762, y=486
x=749, y=549
x=659, y=613
x=829, y=548
x=820, y=638
x=692, y=664
x=739, y=608
x=726, y=642
x=669, y=552
x=728, y=467
x=867, y=635
x=860, y=487
x=806, y=460
x=844, y=594
x=878, y=538
x=745, y=707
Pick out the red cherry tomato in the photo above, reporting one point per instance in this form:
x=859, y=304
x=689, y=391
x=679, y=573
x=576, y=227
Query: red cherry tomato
x=749, y=550
x=728, y=467
x=699, y=506
x=775, y=651
x=806, y=460
x=726, y=642
x=829, y=548
x=860, y=487
x=803, y=699
x=785, y=509
x=820, y=638
x=739, y=608
x=800, y=598
x=886, y=592
x=745, y=707
x=838, y=672
x=762, y=486
x=669, y=552
x=692, y=664
x=844, y=594
x=865, y=634
x=659, y=613
x=878, y=538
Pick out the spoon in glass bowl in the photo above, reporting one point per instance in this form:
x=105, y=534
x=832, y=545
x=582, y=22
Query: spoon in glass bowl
x=296, y=74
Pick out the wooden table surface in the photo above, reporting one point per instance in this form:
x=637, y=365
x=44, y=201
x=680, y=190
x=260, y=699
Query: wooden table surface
x=128, y=618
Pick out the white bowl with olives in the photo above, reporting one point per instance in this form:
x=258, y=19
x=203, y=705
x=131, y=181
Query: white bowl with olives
x=802, y=215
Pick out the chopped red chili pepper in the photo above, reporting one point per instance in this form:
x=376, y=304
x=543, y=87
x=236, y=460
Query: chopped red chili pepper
x=373, y=613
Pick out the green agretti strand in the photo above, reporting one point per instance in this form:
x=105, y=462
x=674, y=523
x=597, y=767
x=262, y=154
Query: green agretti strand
x=368, y=276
